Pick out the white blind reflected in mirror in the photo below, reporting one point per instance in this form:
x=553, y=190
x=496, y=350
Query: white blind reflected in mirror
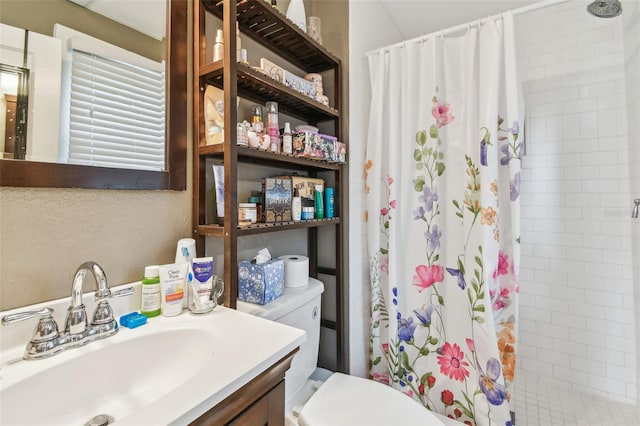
x=117, y=114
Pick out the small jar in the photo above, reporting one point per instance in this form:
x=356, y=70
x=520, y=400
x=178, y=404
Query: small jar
x=258, y=202
x=247, y=214
x=307, y=213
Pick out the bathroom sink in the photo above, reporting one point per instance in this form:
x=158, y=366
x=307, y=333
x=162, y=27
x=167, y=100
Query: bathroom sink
x=115, y=379
x=168, y=371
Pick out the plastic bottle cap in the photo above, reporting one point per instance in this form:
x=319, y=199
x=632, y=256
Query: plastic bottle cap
x=152, y=271
x=287, y=127
x=272, y=107
x=219, y=37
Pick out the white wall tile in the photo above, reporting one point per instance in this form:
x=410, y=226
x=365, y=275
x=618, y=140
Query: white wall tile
x=588, y=365
x=575, y=199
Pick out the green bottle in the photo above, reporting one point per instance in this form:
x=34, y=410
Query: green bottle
x=150, y=303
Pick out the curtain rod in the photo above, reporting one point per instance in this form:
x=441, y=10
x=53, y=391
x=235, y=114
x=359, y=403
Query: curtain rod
x=514, y=12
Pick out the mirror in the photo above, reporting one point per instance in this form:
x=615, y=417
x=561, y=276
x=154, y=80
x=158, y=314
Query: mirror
x=27, y=173
x=14, y=99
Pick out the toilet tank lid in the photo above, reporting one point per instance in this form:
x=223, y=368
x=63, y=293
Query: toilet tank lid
x=293, y=298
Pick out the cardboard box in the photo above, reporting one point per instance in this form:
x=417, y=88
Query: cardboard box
x=303, y=142
x=276, y=199
x=325, y=149
x=260, y=283
x=306, y=185
x=299, y=84
x=340, y=152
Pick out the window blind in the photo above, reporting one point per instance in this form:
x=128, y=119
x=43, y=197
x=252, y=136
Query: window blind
x=117, y=114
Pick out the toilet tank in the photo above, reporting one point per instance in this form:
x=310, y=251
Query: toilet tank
x=298, y=307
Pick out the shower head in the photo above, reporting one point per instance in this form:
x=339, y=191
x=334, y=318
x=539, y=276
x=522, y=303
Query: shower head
x=605, y=8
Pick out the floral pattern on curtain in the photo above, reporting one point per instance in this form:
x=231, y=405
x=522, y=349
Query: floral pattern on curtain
x=442, y=183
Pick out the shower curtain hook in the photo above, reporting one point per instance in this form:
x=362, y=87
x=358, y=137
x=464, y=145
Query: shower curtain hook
x=442, y=34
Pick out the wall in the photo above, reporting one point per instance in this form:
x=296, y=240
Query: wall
x=45, y=234
x=577, y=313
x=19, y=13
x=632, y=65
x=364, y=35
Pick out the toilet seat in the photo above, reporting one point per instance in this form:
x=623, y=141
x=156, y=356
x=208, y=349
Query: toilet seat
x=348, y=400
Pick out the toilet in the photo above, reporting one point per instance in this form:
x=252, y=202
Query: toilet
x=317, y=397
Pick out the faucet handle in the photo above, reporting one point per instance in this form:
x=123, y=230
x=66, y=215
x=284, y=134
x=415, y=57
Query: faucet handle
x=109, y=294
x=103, y=314
x=21, y=316
x=47, y=328
x=124, y=292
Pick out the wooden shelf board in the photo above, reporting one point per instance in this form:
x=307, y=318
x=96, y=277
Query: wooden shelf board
x=262, y=228
x=211, y=230
x=269, y=27
x=258, y=87
x=276, y=159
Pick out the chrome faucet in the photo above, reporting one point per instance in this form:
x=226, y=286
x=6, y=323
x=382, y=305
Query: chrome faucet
x=47, y=340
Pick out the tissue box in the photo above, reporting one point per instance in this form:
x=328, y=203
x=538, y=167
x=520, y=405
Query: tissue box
x=260, y=283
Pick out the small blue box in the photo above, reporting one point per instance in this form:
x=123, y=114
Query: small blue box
x=260, y=283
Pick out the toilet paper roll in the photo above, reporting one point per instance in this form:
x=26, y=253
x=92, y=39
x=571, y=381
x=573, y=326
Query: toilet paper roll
x=296, y=270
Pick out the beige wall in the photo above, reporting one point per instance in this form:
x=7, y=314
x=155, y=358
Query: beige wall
x=22, y=14
x=45, y=234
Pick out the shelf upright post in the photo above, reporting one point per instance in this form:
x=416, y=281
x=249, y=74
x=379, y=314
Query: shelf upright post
x=230, y=149
x=341, y=184
x=199, y=162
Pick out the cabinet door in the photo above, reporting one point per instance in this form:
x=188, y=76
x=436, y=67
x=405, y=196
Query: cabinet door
x=267, y=411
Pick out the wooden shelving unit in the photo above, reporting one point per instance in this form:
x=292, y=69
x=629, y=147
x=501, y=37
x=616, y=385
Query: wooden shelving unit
x=270, y=28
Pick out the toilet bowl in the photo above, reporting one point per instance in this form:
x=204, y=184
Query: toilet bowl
x=317, y=397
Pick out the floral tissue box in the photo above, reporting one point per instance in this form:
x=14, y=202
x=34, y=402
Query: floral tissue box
x=260, y=283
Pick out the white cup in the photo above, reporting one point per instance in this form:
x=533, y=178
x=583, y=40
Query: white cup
x=186, y=250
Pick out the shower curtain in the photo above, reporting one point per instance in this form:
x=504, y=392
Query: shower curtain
x=442, y=182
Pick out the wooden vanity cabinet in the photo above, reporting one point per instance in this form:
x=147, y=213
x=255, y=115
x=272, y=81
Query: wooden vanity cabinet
x=258, y=403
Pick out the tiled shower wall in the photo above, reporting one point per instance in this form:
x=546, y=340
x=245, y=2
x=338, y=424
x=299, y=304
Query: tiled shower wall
x=632, y=65
x=576, y=284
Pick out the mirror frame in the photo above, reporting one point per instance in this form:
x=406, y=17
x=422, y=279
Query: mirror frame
x=34, y=174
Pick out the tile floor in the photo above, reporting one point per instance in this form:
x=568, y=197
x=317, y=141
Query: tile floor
x=539, y=402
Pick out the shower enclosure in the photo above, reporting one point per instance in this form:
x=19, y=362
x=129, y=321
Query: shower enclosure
x=580, y=250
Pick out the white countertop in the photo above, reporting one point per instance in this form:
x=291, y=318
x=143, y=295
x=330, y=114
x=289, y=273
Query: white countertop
x=243, y=347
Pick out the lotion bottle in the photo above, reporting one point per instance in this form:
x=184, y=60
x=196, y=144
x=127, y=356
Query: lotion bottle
x=296, y=206
x=218, y=48
x=272, y=126
x=150, y=302
x=319, y=202
x=328, y=203
x=238, y=43
x=287, y=139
